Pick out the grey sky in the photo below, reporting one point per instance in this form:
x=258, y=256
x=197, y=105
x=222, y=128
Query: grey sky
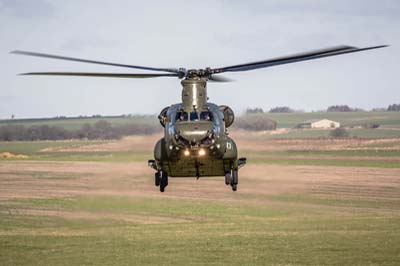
x=196, y=34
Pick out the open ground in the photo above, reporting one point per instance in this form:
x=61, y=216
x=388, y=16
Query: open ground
x=299, y=202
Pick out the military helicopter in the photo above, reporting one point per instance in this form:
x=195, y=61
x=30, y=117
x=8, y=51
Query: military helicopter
x=196, y=141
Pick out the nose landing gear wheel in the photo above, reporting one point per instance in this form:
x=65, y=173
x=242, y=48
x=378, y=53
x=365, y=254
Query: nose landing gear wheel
x=164, y=181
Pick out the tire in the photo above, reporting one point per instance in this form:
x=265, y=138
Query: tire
x=165, y=178
x=235, y=177
x=164, y=181
x=227, y=178
x=234, y=187
x=157, y=179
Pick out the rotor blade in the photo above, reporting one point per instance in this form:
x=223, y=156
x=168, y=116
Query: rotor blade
x=295, y=58
x=107, y=75
x=172, y=70
x=217, y=78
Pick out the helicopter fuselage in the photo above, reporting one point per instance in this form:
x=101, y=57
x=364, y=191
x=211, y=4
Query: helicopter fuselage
x=197, y=146
x=196, y=141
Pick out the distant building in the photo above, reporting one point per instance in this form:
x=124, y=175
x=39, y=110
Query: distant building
x=319, y=123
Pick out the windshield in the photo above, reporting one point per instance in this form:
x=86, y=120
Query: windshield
x=207, y=116
x=194, y=116
x=181, y=116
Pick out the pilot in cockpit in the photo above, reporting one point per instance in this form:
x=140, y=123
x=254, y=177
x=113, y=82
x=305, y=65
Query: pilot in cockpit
x=181, y=116
x=206, y=116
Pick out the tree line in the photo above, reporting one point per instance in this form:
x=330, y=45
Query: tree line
x=255, y=123
x=105, y=130
x=394, y=108
x=332, y=108
x=100, y=130
x=279, y=109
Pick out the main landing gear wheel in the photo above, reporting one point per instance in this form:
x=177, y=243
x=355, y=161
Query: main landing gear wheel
x=227, y=178
x=234, y=179
x=157, y=178
x=234, y=187
x=164, y=181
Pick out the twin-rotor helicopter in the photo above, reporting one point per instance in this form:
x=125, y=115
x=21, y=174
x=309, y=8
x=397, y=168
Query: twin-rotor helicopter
x=196, y=141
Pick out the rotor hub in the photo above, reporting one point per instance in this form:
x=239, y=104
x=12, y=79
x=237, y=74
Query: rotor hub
x=198, y=73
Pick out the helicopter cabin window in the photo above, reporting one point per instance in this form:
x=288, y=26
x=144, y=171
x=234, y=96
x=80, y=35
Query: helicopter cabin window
x=207, y=116
x=194, y=116
x=181, y=116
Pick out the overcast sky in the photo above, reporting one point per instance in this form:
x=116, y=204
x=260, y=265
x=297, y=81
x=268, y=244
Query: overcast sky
x=196, y=34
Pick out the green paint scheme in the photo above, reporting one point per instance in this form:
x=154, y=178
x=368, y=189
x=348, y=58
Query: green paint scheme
x=196, y=141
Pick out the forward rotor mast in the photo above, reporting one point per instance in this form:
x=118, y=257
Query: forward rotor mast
x=194, y=93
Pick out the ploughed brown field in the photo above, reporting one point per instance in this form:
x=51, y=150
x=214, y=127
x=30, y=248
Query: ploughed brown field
x=299, y=202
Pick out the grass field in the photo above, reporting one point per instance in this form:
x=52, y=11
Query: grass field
x=299, y=202
x=347, y=119
x=361, y=155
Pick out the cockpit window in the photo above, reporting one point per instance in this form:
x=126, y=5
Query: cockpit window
x=194, y=116
x=181, y=116
x=207, y=116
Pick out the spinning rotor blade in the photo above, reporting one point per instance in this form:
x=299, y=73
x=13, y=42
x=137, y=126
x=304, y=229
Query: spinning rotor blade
x=216, y=78
x=172, y=70
x=107, y=75
x=294, y=58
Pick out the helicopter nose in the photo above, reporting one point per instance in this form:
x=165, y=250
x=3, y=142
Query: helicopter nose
x=194, y=132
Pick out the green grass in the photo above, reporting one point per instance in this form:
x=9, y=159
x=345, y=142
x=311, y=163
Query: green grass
x=118, y=156
x=347, y=153
x=334, y=201
x=353, y=133
x=301, y=134
x=373, y=157
x=34, y=150
x=96, y=156
x=327, y=162
x=245, y=228
x=143, y=156
x=210, y=234
x=32, y=147
x=43, y=174
x=375, y=133
x=347, y=119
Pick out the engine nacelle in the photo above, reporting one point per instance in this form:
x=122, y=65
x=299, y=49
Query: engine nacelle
x=229, y=116
x=163, y=116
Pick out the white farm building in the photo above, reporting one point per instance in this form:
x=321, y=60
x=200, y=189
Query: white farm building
x=319, y=123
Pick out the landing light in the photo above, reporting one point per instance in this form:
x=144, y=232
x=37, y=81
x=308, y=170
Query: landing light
x=186, y=152
x=202, y=152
